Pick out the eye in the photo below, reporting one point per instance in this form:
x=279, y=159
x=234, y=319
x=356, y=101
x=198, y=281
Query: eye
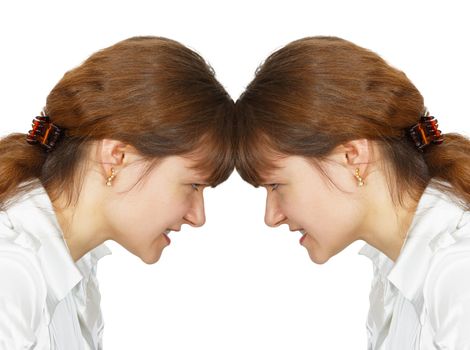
x=196, y=186
x=273, y=186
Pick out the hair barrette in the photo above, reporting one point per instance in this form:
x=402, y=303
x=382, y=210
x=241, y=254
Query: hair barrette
x=425, y=132
x=44, y=133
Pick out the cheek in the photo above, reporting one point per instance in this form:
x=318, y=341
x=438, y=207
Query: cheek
x=133, y=224
x=142, y=215
x=327, y=214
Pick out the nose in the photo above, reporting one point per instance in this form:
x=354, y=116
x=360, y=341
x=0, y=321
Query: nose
x=273, y=216
x=196, y=215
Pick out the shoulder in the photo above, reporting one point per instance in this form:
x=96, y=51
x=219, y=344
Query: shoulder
x=446, y=289
x=450, y=266
x=17, y=247
x=451, y=251
x=451, y=258
x=23, y=292
x=24, y=268
x=20, y=272
x=23, y=296
x=446, y=296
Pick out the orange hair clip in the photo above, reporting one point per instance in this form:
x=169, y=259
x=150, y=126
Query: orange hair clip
x=44, y=133
x=425, y=132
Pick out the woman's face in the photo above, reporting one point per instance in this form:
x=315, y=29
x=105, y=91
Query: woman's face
x=168, y=197
x=299, y=196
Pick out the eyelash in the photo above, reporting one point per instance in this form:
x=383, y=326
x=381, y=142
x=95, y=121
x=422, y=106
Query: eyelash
x=272, y=185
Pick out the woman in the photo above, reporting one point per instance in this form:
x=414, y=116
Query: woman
x=122, y=152
x=347, y=151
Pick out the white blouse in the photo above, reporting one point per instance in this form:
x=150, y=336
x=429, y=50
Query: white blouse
x=46, y=300
x=422, y=301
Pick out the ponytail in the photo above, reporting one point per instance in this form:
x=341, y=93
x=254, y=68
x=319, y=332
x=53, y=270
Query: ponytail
x=450, y=162
x=19, y=162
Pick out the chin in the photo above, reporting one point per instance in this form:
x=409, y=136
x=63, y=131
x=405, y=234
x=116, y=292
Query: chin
x=319, y=259
x=149, y=259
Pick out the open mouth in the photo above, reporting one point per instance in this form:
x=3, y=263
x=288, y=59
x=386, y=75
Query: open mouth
x=165, y=234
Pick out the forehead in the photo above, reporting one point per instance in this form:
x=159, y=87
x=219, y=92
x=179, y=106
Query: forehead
x=182, y=166
x=179, y=163
x=287, y=166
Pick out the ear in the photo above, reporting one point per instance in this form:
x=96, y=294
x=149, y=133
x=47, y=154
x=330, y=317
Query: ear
x=114, y=154
x=357, y=155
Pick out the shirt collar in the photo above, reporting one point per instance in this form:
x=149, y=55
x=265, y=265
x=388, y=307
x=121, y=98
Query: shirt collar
x=33, y=218
x=437, y=217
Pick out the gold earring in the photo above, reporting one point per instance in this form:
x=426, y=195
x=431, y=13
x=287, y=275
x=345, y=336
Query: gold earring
x=111, y=177
x=360, y=182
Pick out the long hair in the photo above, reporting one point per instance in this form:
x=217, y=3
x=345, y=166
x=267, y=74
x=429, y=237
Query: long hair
x=150, y=92
x=318, y=92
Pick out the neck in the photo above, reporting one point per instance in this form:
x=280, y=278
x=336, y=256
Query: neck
x=78, y=222
x=386, y=225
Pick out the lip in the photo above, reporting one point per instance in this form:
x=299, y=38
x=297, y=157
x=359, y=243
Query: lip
x=302, y=238
x=167, y=238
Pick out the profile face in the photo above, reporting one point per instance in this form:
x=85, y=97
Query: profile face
x=300, y=196
x=167, y=198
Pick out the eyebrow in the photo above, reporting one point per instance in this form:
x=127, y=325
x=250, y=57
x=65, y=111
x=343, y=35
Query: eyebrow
x=265, y=182
x=203, y=180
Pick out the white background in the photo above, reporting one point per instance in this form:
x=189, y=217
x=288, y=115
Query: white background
x=234, y=283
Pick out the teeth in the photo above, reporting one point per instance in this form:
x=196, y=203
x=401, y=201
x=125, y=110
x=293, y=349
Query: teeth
x=302, y=231
x=167, y=231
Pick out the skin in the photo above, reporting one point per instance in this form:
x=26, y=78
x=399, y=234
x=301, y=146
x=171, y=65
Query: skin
x=170, y=196
x=299, y=196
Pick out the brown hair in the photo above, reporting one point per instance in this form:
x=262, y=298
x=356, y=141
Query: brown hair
x=319, y=92
x=150, y=92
